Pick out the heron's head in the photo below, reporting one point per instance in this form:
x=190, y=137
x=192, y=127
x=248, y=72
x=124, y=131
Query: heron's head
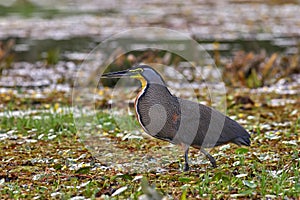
x=144, y=73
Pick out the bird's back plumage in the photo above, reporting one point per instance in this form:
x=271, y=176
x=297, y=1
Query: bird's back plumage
x=167, y=117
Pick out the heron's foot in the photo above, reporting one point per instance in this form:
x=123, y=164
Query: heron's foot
x=210, y=158
x=213, y=163
x=186, y=159
x=186, y=167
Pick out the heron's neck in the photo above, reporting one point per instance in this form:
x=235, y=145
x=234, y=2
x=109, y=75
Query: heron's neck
x=143, y=81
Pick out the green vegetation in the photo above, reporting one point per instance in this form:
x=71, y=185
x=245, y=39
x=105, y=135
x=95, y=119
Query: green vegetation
x=52, y=56
x=27, y=9
x=42, y=157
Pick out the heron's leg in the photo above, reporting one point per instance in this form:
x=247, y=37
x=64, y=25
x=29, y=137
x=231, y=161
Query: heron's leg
x=210, y=158
x=186, y=160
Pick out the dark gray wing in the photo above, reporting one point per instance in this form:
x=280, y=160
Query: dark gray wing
x=201, y=125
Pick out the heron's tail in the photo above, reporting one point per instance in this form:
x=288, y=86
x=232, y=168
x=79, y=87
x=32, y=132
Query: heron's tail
x=242, y=141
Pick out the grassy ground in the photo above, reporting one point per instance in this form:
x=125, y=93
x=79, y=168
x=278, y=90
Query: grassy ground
x=42, y=158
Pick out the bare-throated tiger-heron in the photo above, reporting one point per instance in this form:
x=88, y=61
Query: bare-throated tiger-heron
x=167, y=117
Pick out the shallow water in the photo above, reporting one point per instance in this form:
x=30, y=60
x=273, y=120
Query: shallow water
x=79, y=27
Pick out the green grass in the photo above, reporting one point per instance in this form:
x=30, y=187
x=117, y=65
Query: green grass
x=39, y=124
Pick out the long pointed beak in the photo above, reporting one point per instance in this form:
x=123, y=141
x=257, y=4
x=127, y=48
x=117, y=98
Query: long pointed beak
x=117, y=74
